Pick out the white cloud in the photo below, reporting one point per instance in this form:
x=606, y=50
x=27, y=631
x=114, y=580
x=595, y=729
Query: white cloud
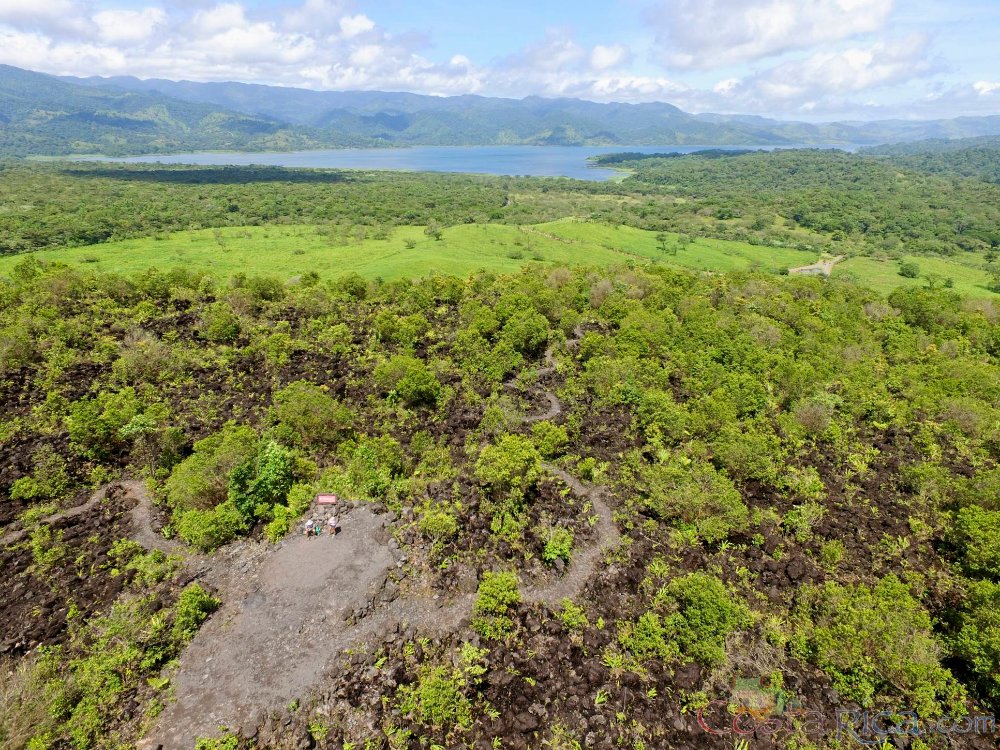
x=128, y=26
x=847, y=71
x=713, y=33
x=352, y=26
x=986, y=88
x=605, y=57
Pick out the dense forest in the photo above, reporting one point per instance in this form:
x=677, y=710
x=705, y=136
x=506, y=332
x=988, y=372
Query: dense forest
x=795, y=481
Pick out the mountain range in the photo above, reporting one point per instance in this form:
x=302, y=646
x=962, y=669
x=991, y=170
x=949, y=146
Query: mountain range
x=42, y=114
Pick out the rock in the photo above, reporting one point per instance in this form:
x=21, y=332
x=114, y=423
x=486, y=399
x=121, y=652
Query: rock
x=390, y=592
x=525, y=722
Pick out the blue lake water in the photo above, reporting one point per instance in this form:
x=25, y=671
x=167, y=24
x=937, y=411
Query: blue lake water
x=535, y=161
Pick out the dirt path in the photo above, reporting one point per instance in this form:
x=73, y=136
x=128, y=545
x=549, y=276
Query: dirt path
x=824, y=267
x=13, y=537
x=584, y=561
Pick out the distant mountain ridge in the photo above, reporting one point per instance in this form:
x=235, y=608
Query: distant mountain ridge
x=43, y=114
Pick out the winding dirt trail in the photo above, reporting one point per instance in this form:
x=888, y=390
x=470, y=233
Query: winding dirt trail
x=289, y=612
x=13, y=537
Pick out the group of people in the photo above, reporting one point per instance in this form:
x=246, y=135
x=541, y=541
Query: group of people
x=314, y=526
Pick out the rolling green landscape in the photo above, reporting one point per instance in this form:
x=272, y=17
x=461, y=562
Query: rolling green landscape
x=610, y=467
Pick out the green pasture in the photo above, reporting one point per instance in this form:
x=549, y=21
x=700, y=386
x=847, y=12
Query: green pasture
x=968, y=277
x=288, y=251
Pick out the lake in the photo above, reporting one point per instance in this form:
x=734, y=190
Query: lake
x=536, y=161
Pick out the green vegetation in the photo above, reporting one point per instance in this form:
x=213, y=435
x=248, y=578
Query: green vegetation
x=498, y=593
x=802, y=471
x=876, y=642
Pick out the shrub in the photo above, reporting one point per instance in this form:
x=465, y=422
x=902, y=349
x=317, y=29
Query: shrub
x=374, y=464
x=307, y=414
x=976, y=640
x=95, y=424
x=551, y=439
x=220, y=324
x=526, y=331
x=49, y=480
x=498, y=593
x=874, y=642
x=977, y=533
x=702, y=617
x=258, y=484
x=439, y=523
x=193, y=606
x=572, y=615
x=226, y=742
x=202, y=479
x=558, y=545
x=209, y=529
x=511, y=465
x=697, y=497
x=439, y=697
x=410, y=379
x=909, y=270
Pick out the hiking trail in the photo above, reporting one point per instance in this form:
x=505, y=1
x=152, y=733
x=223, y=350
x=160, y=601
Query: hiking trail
x=290, y=611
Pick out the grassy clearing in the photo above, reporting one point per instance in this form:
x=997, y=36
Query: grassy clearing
x=288, y=251
x=883, y=275
x=292, y=250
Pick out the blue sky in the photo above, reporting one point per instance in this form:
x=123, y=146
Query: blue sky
x=794, y=59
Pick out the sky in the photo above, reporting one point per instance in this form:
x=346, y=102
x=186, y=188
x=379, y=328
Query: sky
x=792, y=59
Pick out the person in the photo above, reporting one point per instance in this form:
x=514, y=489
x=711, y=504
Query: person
x=309, y=527
x=333, y=522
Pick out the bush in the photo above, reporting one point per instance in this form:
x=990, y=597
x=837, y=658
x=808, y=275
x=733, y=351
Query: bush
x=307, y=414
x=439, y=523
x=976, y=640
x=49, y=480
x=695, y=496
x=202, y=479
x=438, y=698
x=527, y=332
x=410, y=379
x=262, y=482
x=558, y=545
x=977, y=534
x=498, y=593
x=210, y=529
x=909, y=270
x=704, y=614
x=511, y=465
x=551, y=439
x=193, y=607
x=220, y=324
x=874, y=643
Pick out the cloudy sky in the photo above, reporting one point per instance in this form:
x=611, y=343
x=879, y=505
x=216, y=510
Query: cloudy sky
x=802, y=59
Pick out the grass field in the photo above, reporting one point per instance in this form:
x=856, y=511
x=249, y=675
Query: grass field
x=288, y=251
x=883, y=275
x=292, y=250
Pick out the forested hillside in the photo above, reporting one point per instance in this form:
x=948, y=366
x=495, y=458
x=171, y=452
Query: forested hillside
x=46, y=115
x=41, y=114
x=967, y=157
